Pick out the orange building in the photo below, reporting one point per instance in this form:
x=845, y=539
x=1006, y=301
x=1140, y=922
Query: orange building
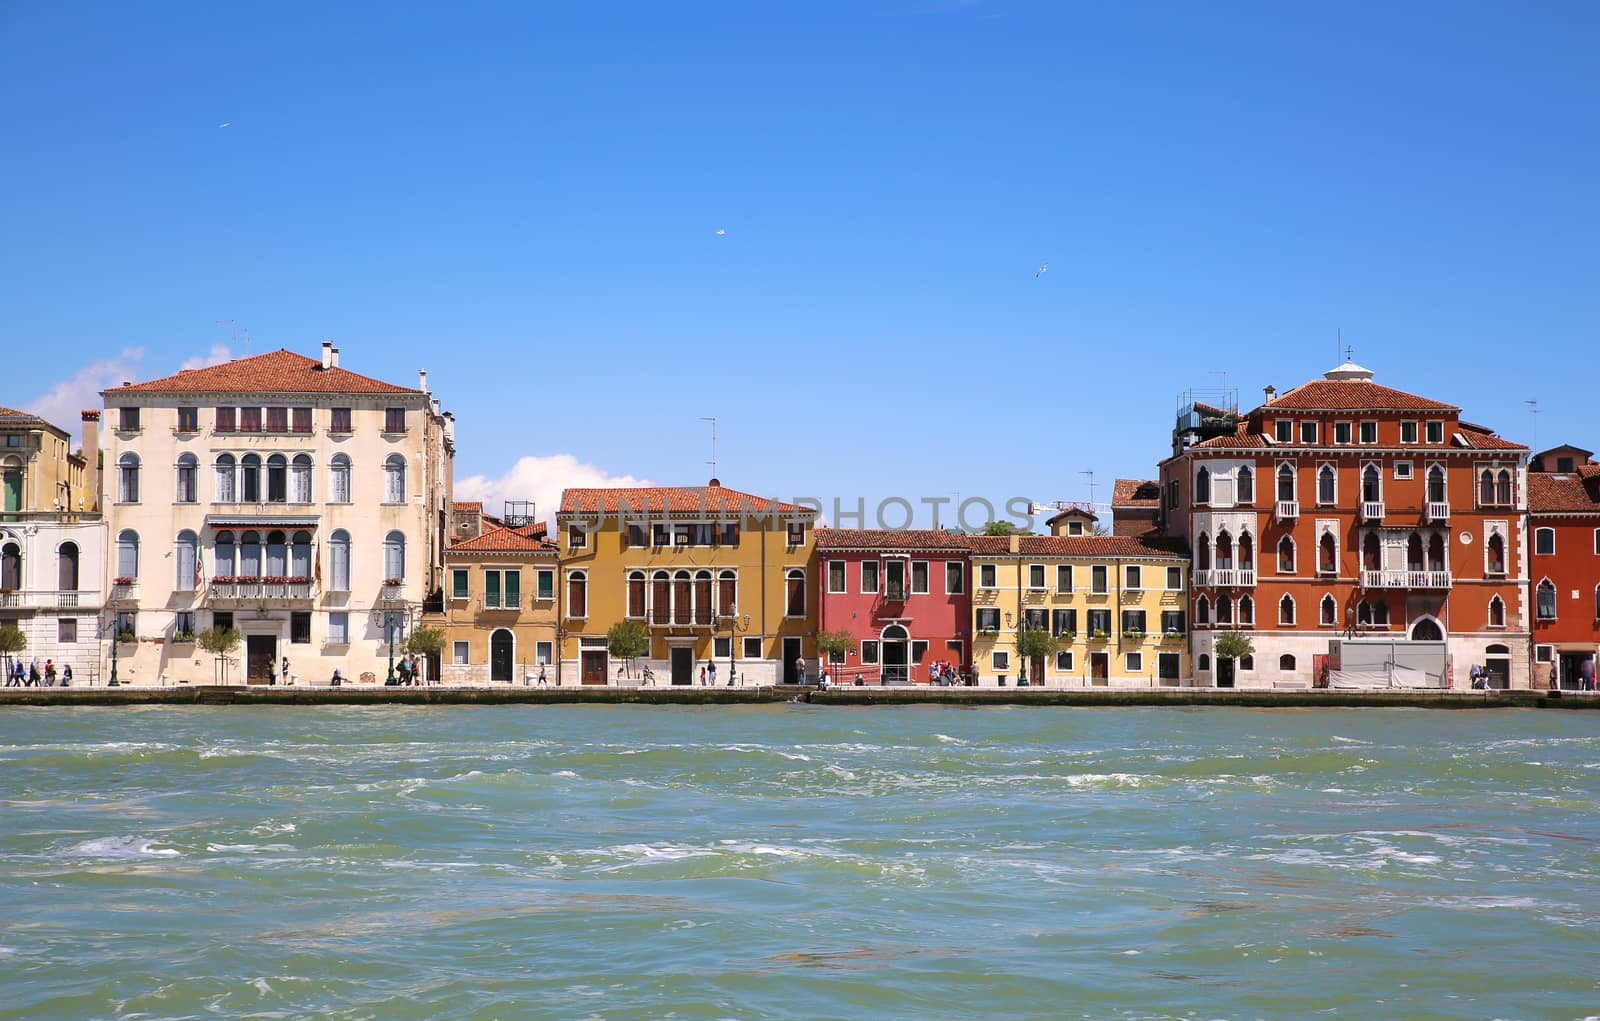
x=1564, y=564
x=1350, y=519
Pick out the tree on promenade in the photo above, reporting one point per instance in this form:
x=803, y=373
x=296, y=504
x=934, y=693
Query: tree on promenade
x=221, y=643
x=628, y=640
x=834, y=644
x=12, y=641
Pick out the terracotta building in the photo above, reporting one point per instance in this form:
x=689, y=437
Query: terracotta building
x=499, y=605
x=1564, y=564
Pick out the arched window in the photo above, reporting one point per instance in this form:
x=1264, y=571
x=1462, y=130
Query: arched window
x=1286, y=555
x=1202, y=611
x=1436, y=488
x=339, y=561
x=1204, y=663
x=1436, y=552
x=661, y=597
x=1486, y=487
x=1414, y=552
x=1286, y=662
x=1371, y=553
x=223, y=564
x=394, y=479
x=578, y=594
x=1247, y=552
x=1371, y=489
x=682, y=588
x=394, y=556
x=1286, y=610
x=1202, y=485
x=796, y=582
x=1380, y=613
x=1247, y=485
x=128, y=478
x=277, y=479
x=1330, y=611
x=1202, y=552
x=1496, y=547
x=1224, y=611
x=226, y=479
x=188, y=479
x=1426, y=629
x=636, y=594
x=502, y=654
x=300, y=556
x=128, y=554
x=1224, y=551
x=727, y=593
x=1325, y=484
x=277, y=555
x=188, y=546
x=10, y=567
x=1327, y=554
x=1285, y=482
x=1502, y=488
x=1546, y=600
x=1497, y=612
x=339, y=479
x=300, y=478
x=250, y=556
x=1247, y=611
x=250, y=478
x=67, y=567
x=702, y=597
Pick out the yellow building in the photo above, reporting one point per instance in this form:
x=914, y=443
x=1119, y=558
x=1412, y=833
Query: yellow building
x=499, y=606
x=1114, y=602
x=716, y=575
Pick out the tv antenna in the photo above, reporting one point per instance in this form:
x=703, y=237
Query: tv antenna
x=235, y=331
x=1090, y=474
x=713, y=461
x=1533, y=411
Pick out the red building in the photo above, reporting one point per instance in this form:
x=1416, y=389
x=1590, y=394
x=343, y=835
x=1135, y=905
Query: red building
x=1351, y=519
x=1564, y=563
x=904, y=596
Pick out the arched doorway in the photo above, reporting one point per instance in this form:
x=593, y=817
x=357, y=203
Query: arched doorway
x=895, y=645
x=1497, y=662
x=501, y=653
x=1426, y=629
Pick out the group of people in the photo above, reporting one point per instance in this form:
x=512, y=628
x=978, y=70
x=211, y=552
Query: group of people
x=35, y=676
x=408, y=670
x=944, y=674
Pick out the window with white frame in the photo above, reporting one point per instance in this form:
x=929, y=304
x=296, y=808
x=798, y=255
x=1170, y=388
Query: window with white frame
x=1341, y=433
x=1402, y=469
x=1408, y=432
x=1035, y=577
x=919, y=577
x=986, y=576
x=836, y=576
x=460, y=583
x=1286, y=611
x=460, y=654
x=1330, y=612
x=1133, y=577
x=869, y=651
x=1064, y=576
x=1202, y=612
x=394, y=479
x=1327, y=485
x=1544, y=542
x=1133, y=662
x=545, y=584
x=1369, y=432
x=1435, y=432
x=1544, y=653
x=955, y=578
x=1497, y=612
x=752, y=648
x=1098, y=581
x=1064, y=660
x=869, y=576
x=1283, y=430
x=1597, y=541
x=1174, y=579
x=1545, y=600
x=1308, y=434
x=338, y=627
x=988, y=618
x=1000, y=660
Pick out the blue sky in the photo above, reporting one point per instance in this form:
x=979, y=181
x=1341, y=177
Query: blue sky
x=524, y=198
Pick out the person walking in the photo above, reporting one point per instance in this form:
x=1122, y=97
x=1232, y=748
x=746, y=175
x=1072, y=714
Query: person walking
x=283, y=670
x=702, y=677
x=34, y=677
x=800, y=669
x=49, y=673
x=1586, y=674
x=711, y=673
x=541, y=675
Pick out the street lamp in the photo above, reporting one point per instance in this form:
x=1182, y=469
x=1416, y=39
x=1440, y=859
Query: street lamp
x=736, y=627
x=1022, y=647
x=388, y=624
x=113, y=682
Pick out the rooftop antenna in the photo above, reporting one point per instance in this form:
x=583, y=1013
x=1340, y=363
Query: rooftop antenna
x=713, y=461
x=235, y=331
x=1533, y=410
x=1090, y=474
x=1224, y=396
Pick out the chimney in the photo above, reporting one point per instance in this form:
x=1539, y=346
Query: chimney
x=1016, y=543
x=336, y=358
x=327, y=354
x=91, y=459
x=1270, y=391
x=422, y=380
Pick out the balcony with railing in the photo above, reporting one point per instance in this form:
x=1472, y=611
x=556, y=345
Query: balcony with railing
x=1436, y=511
x=1288, y=510
x=1405, y=579
x=123, y=591
x=1226, y=577
x=681, y=616
x=236, y=590
x=47, y=599
x=1371, y=510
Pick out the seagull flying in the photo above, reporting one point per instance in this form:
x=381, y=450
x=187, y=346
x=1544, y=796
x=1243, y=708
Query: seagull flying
x=1040, y=271
x=721, y=232
x=225, y=124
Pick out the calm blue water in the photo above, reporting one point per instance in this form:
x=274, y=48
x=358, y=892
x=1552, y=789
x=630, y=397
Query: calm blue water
x=798, y=862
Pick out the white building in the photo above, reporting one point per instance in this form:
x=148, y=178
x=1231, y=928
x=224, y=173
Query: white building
x=294, y=500
x=52, y=543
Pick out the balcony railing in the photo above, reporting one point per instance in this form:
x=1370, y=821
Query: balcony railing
x=125, y=593
x=894, y=593
x=1226, y=577
x=47, y=599
x=291, y=591
x=1438, y=510
x=1405, y=579
x=1371, y=510
x=682, y=616
x=1288, y=509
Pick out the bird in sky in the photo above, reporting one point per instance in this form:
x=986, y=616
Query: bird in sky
x=1040, y=271
x=225, y=124
x=721, y=232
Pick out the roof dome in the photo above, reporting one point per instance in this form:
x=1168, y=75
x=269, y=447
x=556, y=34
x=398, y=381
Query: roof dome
x=1349, y=370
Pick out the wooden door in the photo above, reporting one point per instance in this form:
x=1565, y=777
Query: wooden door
x=1099, y=667
x=260, y=652
x=500, y=656
x=682, y=665
x=1224, y=673
x=593, y=668
x=1036, y=670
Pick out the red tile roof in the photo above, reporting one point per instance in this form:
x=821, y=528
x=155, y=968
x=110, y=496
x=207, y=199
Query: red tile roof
x=1080, y=546
x=670, y=500
x=501, y=540
x=1240, y=439
x=890, y=539
x=1488, y=441
x=1564, y=492
x=281, y=371
x=1351, y=395
x=1135, y=493
x=468, y=505
x=11, y=416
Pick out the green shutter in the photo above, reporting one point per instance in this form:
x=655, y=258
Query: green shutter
x=459, y=579
x=491, y=588
x=547, y=585
x=513, y=588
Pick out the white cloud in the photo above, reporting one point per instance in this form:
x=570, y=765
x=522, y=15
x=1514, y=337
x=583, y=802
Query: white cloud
x=61, y=404
x=218, y=354
x=540, y=479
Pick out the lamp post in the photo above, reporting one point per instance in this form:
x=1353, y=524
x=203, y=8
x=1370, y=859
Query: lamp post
x=1022, y=647
x=115, y=637
x=736, y=627
x=388, y=625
